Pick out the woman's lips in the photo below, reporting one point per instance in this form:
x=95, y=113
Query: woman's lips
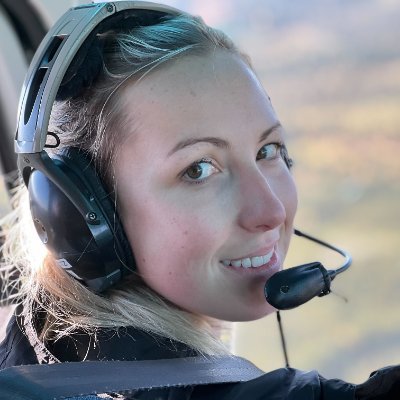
x=250, y=262
x=271, y=266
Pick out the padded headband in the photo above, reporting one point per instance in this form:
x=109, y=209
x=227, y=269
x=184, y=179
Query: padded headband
x=61, y=55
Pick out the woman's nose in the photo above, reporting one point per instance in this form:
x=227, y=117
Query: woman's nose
x=261, y=209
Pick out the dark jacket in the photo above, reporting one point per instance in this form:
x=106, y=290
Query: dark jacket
x=131, y=344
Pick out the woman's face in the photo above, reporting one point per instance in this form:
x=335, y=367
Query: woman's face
x=205, y=196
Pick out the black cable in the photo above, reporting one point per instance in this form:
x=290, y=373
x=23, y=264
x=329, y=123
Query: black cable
x=283, y=341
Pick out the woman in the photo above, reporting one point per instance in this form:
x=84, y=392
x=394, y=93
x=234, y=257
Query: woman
x=174, y=121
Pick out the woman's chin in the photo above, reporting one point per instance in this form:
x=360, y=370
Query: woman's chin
x=245, y=314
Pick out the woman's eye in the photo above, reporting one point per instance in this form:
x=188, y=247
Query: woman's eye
x=269, y=151
x=274, y=150
x=199, y=171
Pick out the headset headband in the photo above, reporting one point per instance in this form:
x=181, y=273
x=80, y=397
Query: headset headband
x=52, y=60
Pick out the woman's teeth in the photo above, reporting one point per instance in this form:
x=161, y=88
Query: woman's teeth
x=254, y=262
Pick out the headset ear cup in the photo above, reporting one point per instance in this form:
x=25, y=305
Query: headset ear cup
x=99, y=260
x=62, y=228
x=81, y=164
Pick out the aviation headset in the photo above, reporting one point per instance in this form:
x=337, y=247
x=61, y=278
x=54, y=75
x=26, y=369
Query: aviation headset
x=73, y=213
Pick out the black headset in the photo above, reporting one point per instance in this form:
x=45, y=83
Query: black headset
x=73, y=213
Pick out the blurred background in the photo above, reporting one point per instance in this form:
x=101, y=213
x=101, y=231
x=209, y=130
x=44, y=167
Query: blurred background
x=332, y=69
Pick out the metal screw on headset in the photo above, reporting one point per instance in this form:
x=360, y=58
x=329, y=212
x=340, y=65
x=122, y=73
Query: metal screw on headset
x=92, y=216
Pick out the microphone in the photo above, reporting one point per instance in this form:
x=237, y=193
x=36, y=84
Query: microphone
x=295, y=286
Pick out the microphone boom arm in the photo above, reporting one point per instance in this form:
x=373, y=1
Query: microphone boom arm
x=295, y=286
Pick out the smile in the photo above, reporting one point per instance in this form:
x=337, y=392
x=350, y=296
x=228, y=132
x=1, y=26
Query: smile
x=250, y=262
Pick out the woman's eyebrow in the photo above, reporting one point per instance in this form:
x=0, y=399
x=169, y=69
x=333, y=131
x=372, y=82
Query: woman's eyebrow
x=218, y=142
x=270, y=130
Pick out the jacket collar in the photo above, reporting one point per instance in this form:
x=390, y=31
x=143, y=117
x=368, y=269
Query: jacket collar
x=123, y=344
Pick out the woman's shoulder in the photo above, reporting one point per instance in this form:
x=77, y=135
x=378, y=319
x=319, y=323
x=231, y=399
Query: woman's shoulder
x=283, y=383
x=15, y=348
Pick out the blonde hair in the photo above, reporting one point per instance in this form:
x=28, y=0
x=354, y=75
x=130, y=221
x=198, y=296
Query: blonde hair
x=92, y=122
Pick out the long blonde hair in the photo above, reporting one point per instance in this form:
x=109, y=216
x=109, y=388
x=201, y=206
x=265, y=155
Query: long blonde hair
x=92, y=121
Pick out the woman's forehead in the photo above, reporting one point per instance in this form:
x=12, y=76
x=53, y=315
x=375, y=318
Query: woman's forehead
x=215, y=96
x=185, y=87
